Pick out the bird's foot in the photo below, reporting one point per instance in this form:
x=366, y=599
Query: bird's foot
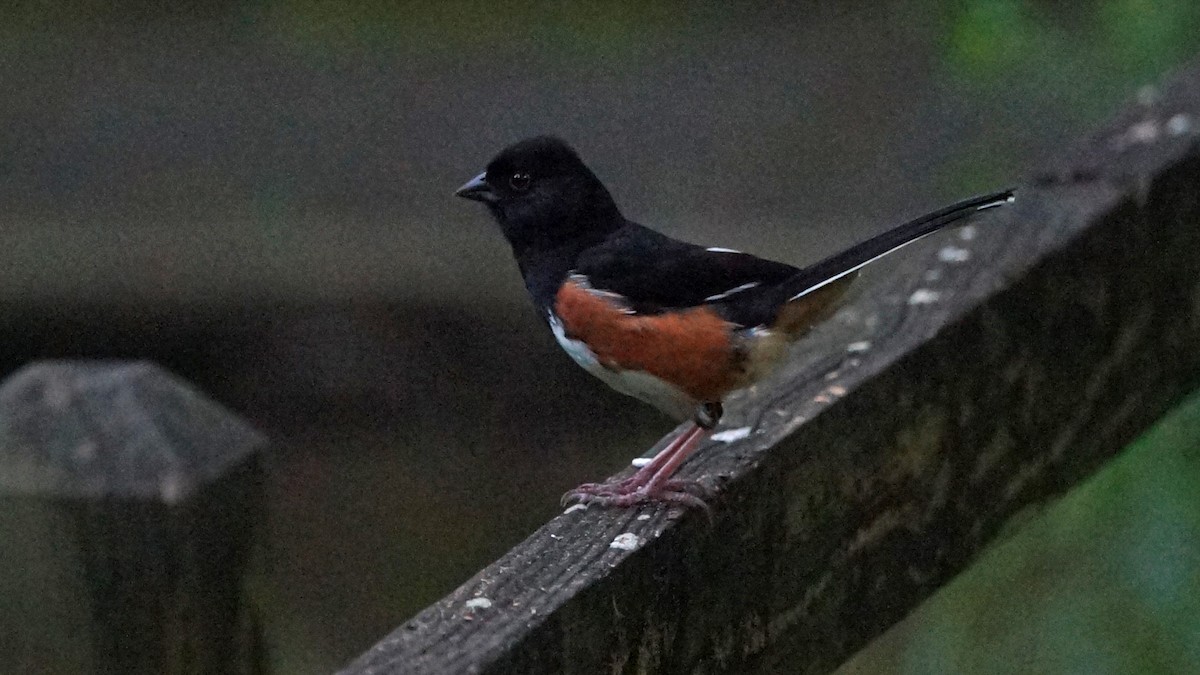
x=630, y=492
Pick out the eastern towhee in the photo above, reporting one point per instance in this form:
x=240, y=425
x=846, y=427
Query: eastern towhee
x=676, y=325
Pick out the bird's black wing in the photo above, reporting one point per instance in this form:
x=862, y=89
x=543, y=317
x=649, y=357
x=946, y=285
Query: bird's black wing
x=655, y=273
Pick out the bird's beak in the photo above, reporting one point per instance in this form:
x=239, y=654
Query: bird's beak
x=477, y=190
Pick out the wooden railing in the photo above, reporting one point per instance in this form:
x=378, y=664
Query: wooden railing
x=989, y=371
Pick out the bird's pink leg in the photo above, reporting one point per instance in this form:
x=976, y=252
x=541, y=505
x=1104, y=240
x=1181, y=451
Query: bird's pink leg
x=651, y=483
x=645, y=473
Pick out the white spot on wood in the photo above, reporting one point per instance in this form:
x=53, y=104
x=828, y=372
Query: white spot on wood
x=967, y=232
x=837, y=390
x=857, y=347
x=718, y=249
x=171, y=489
x=1179, y=124
x=954, y=254
x=575, y=507
x=641, y=461
x=644, y=516
x=924, y=296
x=626, y=542
x=1143, y=132
x=478, y=603
x=731, y=435
x=86, y=451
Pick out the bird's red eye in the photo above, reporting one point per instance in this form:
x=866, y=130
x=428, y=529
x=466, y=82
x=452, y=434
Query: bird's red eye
x=520, y=181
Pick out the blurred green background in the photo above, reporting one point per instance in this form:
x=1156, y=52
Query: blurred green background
x=256, y=193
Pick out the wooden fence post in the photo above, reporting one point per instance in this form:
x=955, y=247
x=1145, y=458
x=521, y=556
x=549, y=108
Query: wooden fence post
x=129, y=501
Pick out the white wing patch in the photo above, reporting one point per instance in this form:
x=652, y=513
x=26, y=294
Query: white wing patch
x=616, y=299
x=732, y=291
x=718, y=249
x=731, y=435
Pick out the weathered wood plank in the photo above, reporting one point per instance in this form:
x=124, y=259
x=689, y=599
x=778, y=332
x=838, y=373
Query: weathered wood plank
x=988, y=372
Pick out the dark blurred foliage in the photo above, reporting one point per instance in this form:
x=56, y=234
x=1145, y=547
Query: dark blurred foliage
x=256, y=193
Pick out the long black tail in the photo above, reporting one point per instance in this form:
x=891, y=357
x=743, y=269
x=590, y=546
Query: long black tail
x=856, y=257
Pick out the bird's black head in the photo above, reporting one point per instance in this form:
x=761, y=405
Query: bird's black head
x=543, y=195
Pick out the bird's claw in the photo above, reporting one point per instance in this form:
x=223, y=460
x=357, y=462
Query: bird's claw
x=624, y=493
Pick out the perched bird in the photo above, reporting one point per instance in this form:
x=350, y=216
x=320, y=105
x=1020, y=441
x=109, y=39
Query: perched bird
x=674, y=324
